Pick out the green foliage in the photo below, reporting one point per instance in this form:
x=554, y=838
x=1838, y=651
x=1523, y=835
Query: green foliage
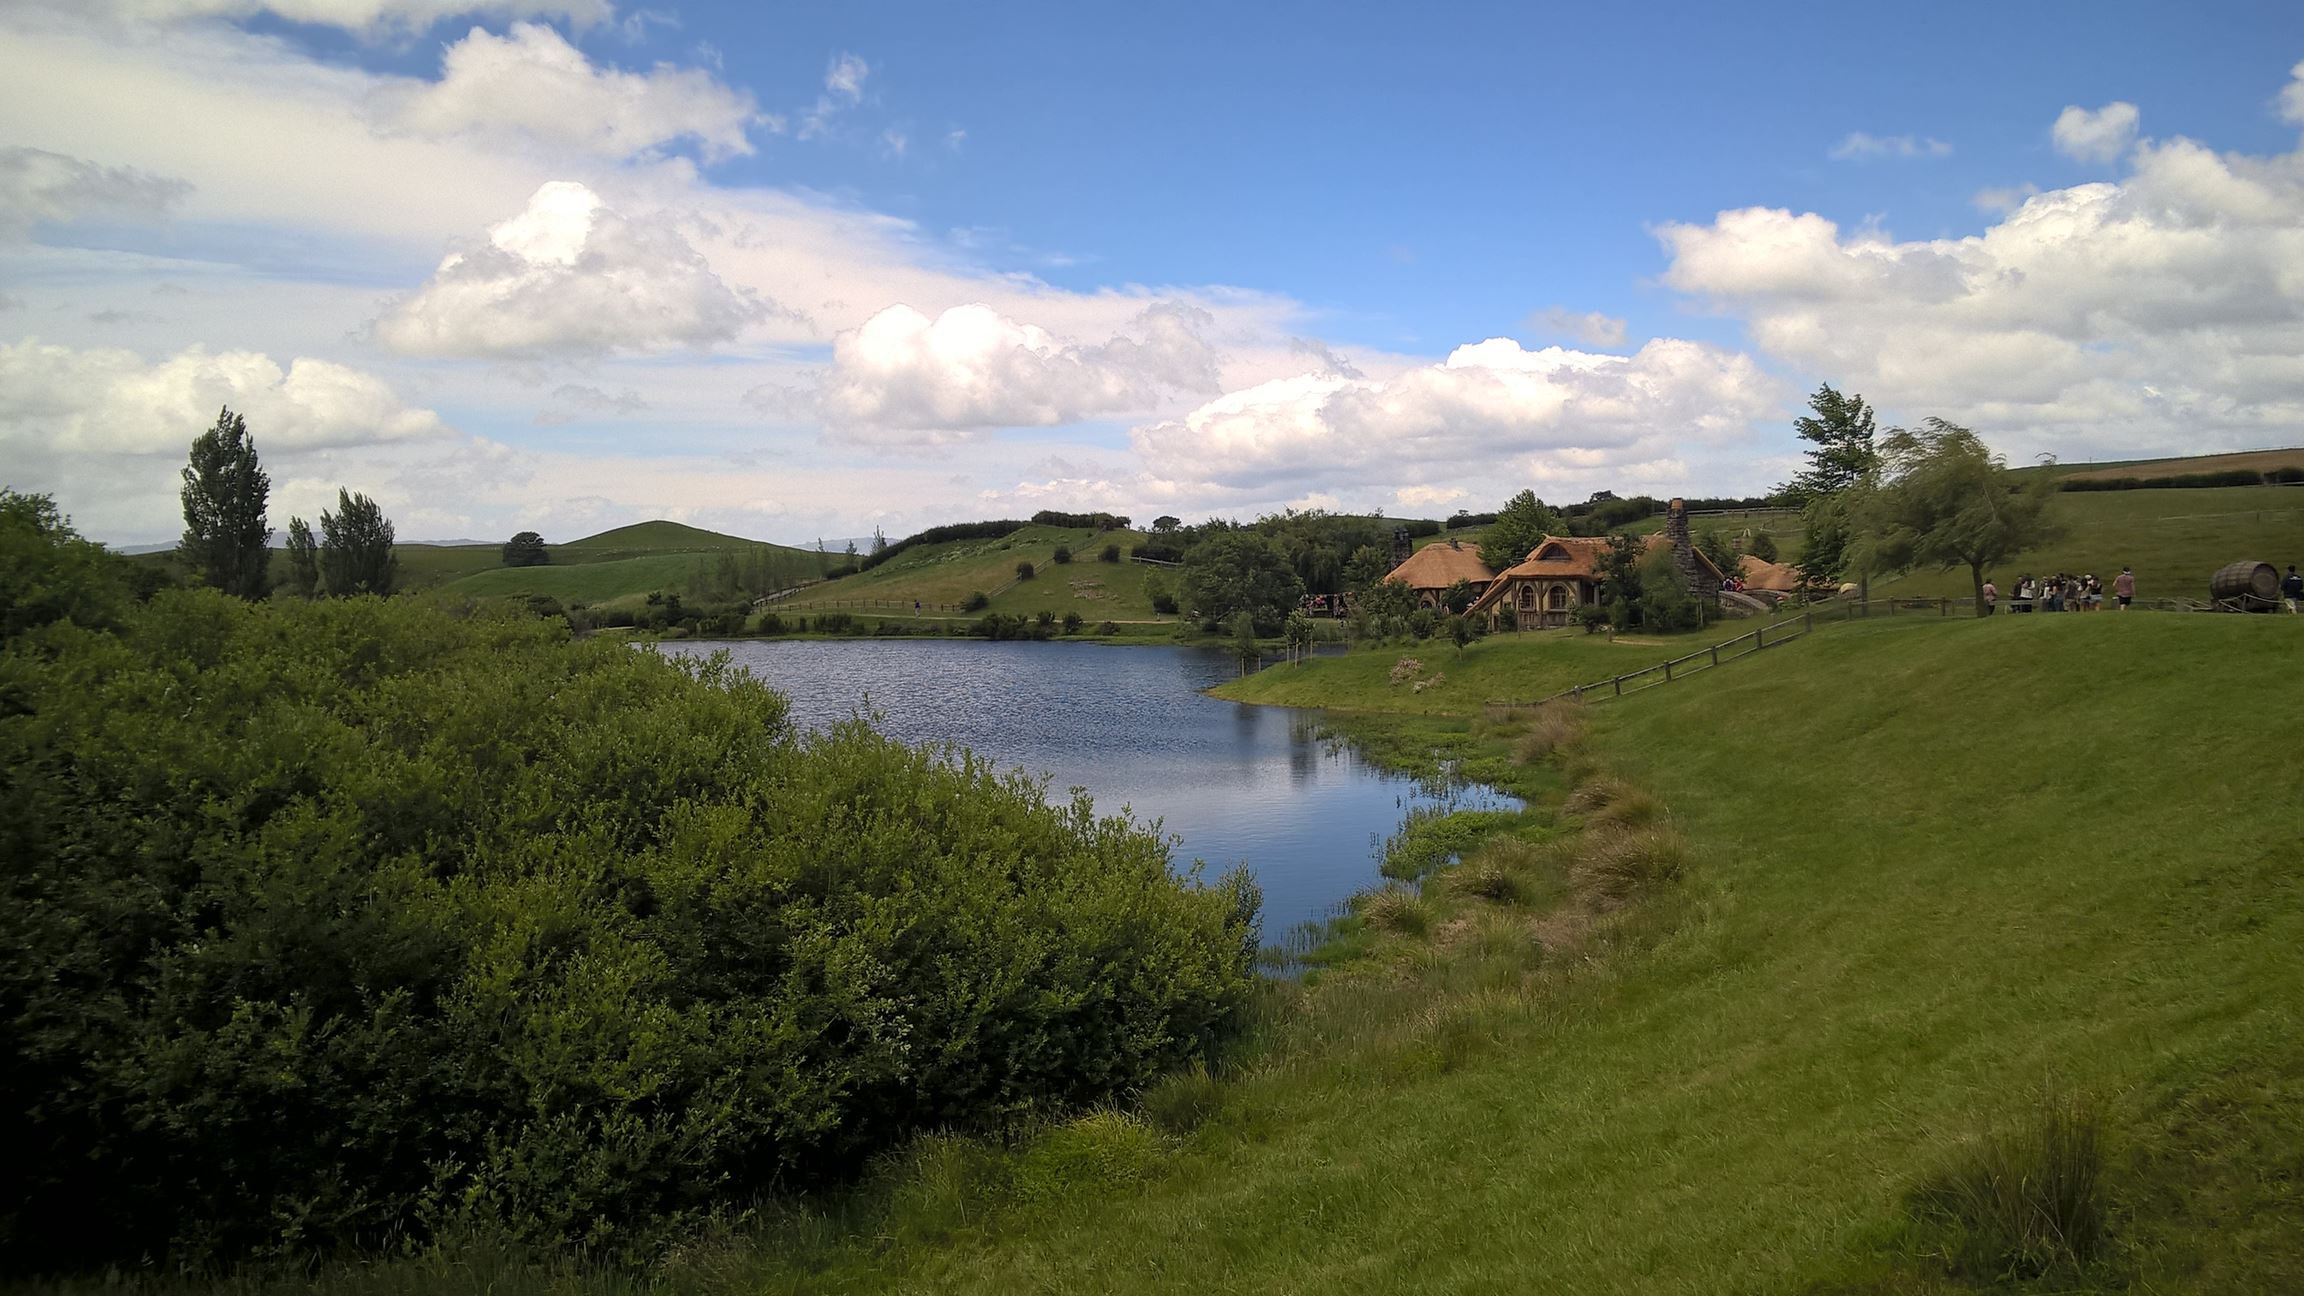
x=303, y=559
x=1073, y=621
x=1094, y=1154
x=1431, y=837
x=356, y=547
x=1519, y=527
x=976, y=601
x=1715, y=546
x=1063, y=555
x=525, y=550
x=49, y=574
x=1366, y=568
x=1183, y=1101
x=227, y=543
x=1763, y=546
x=1666, y=603
x=1025, y=571
x=1840, y=427
x=1240, y=571
x=1946, y=500
x=1457, y=597
x=1620, y=573
x=353, y=921
x=1109, y=553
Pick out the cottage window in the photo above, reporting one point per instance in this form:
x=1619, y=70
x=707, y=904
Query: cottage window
x=1559, y=600
x=1527, y=598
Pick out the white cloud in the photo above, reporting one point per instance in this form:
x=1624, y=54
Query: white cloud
x=569, y=277
x=895, y=142
x=2164, y=313
x=2003, y=199
x=59, y=401
x=1859, y=145
x=2292, y=96
x=365, y=16
x=845, y=78
x=2098, y=136
x=905, y=378
x=532, y=82
x=39, y=187
x=1491, y=413
x=1588, y=327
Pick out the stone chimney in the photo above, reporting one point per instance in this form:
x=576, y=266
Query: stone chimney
x=1700, y=578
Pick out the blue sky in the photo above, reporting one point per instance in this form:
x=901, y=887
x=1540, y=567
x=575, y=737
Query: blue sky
x=814, y=268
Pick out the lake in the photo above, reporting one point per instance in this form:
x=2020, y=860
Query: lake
x=1232, y=784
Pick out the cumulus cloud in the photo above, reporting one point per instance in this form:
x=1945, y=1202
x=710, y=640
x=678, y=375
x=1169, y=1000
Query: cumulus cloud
x=2003, y=199
x=2162, y=313
x=364, y=16
x=1859, y=145
x=40, y=187
x=2292, y=96
x=1588, y=327
x=55, y=400
x=2097, y=136
x=532, y=82
x=1491, y=411
x=569, y=277
x=843, y=88
x=904, y=377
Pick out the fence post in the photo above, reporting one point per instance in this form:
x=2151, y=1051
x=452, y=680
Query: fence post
x=1944, y=607
x=1619, y=683
x=1667, y=672
x=1715, y=654
x=1759, y=638
x=1807, y=621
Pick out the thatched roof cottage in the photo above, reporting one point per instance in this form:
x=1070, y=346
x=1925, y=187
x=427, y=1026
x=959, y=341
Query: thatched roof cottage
x=1562, y=573
x=1431, y=570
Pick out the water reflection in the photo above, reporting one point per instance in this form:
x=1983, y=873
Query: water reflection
x=1232, y=784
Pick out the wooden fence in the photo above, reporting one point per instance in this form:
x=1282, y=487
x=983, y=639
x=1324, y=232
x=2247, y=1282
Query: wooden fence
x=1744, y=645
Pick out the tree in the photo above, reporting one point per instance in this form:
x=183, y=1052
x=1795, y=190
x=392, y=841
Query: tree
x=356, y=547
x=1620, y=579
x=1459, y=632
x=1367, y=566
x=1946, y=500
x=1840, y=427
x=1024, y=571
x=1063, y=555
x=303, y=559
x=525, y=550
x=1240, y=571
x=1244, y=644
x=1298, y=631
x=49, y=573
x=1763, y=546
x=1457, y=597
x=1519, y=527
x=1164, y=525
x=1715, y=546
x=879, y=541
x=227, y=542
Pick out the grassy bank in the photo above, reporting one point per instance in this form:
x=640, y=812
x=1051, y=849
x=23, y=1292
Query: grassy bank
x=1925, y=875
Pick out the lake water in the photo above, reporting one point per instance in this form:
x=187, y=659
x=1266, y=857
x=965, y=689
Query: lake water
x=1232, y=784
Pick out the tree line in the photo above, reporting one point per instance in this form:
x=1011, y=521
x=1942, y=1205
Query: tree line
x=227, y=540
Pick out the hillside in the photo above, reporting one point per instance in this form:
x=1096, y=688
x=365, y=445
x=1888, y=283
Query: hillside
x=940, y=577
x=1932, y=869
x=623, y=566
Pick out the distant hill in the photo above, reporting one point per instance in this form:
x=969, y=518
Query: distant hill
x=621, y=567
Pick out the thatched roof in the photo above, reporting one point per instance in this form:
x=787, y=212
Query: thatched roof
x=1440, y=565
x=1760, y=574
x=1569, y=558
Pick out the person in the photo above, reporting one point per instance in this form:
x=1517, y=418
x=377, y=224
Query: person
x=2124, y=586
x=1992, y=596
x=2292, y=589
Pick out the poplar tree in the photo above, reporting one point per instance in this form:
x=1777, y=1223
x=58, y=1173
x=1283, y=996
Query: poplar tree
x=303, y=559
x=227, y=542
x=356, y=547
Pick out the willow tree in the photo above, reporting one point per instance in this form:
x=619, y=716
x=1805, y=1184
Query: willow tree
x=1945, y=500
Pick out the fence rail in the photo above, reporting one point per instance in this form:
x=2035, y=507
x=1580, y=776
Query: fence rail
x=1744, y=645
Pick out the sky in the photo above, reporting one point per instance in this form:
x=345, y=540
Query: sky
x=815, y=269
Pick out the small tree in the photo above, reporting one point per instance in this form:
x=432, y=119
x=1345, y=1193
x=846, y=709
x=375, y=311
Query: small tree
x=303, y=559
x=1946, y=500
x=1715, y=546
x=1840, y=427
x=1620, y=579
x=356, y=547
x=1244, y=640
x=1763, y=546
x=1459, y=632
x=1519, y=527
x=525, y=550
x=1063, y=555
x=1164, y=525
x=226, y=541
x=1110, y=554
x=1025, y=571
x=1298, y=630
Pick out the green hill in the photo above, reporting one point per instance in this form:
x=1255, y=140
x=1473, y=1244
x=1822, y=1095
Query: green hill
x=942, y=576
x=1932, y=870
x=622, y=567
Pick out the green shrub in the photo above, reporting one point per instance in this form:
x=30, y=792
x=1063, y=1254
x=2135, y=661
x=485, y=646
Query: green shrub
x=975, y=602
x=1072, y=622
x=1063, y=555
x=2021, y=1202
x=1110, y=553
x=1107, y=627
x=1025, y=571
x=354, y=921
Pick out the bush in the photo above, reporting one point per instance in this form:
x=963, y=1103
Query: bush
x=1063, y=555
x=835, y=623
x=1110, y=553
x=1107, y=627
x=351, y=922
x=1044, y=619
x=1024, y=571
x=2021, y=1202
x=975, y=602
x=1164, y=603
x=771, y=624
x=1072, y=622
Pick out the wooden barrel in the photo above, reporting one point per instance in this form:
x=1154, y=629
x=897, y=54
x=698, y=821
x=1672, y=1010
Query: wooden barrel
x=2249, y=584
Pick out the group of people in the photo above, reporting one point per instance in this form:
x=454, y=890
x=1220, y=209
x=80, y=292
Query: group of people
x=2062, y=592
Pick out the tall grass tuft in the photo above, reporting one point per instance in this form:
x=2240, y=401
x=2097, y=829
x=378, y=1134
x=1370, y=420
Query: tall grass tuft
x=1603, y=799
x=1551, y=728
x=1396, y=909
x=2023, y=1201
x=1617, y=865
x=1486, y=877
x=1183, y=1101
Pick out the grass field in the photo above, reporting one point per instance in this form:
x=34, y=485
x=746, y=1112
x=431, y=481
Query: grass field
x=942, y=576
x=2249, y=460
x=1909, y=909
